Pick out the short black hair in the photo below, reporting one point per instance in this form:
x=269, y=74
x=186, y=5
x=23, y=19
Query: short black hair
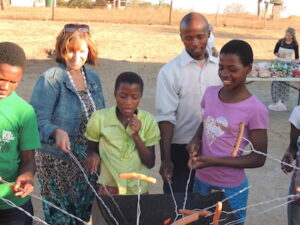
x=240, y=48
x=188, y=18
x=130, y=78
x=12, y=54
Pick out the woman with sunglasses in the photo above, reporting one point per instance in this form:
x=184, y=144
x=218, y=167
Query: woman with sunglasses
x=64, y=98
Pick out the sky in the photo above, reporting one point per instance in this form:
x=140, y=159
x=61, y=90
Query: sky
x=292, y=7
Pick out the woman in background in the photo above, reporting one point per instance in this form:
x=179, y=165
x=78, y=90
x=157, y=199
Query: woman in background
x=284, y=50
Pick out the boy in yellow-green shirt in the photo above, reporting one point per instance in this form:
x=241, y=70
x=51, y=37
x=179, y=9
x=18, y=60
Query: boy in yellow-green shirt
x=122, y=139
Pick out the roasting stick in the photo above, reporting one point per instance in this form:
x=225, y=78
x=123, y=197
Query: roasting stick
x=238, y=141
x=47, y=202
x=113, y=200
x=91, y=186
x=174, y=200
x=139, y=177
x=34, y=218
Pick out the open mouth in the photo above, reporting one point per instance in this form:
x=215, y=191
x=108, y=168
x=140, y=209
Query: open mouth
x=226, y=82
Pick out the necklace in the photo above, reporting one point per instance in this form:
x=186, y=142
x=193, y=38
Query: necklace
x=78, y=95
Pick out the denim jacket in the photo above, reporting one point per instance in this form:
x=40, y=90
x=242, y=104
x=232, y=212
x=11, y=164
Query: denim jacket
x=57, y=105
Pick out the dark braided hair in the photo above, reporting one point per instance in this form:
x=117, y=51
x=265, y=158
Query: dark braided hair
x=12, y=54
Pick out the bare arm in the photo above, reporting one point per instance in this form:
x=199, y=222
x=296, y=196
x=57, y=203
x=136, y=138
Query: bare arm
x=290, y=153
x=93, y=158
x=195, y=144
x=259, y=140
x=24, y=182
x=277, y=48
x=166, y=131
x=147, y=154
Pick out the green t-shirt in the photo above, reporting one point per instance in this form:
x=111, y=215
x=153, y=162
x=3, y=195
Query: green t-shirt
x=18, y=132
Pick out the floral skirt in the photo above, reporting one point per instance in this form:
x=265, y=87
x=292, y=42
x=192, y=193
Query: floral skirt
x=63, y=184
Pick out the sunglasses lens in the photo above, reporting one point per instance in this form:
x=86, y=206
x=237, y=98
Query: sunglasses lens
x=80, y=27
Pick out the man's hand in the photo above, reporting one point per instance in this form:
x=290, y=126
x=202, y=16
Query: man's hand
x=287, y=158
x=23, y=185
x=166, y=170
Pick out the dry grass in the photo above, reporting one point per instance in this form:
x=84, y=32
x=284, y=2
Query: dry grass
x=148, y=16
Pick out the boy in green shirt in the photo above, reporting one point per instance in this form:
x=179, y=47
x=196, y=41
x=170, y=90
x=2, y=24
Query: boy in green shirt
x=122, y=139
x=18, y=139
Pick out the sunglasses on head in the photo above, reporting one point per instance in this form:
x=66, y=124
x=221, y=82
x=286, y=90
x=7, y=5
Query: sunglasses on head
x=72, y=27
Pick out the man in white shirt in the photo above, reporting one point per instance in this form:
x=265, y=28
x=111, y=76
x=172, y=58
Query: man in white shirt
x=181, y=84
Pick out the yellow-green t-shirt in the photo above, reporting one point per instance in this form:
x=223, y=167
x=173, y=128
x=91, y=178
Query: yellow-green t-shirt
x=117, y=149
x=18, y=132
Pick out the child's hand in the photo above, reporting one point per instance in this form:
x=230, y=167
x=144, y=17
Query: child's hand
x=287, y=158
x=135, y=125
x=194, y=146
x=92, y=162
x=23, y=185
x=198, y=162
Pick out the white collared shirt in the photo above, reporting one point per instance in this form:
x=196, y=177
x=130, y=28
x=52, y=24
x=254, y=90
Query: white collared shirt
x=181, y=84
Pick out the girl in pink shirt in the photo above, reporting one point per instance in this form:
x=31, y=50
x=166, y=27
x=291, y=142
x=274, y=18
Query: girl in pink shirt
x=224, y=108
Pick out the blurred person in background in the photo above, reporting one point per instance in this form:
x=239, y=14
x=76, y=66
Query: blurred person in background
x=211, y=42
x=284, y=49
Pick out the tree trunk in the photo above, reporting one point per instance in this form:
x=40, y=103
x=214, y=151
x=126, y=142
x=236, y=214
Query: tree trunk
x=258, y=7
x=3, y=4
x=170, y=14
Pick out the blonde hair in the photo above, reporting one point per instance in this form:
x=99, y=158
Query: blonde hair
x=67, y=40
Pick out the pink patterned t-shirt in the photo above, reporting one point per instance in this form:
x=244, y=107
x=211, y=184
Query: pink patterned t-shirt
x=221, y=126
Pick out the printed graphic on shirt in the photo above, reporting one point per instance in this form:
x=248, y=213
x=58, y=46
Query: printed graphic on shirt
x=5, y=139
x=215, y=127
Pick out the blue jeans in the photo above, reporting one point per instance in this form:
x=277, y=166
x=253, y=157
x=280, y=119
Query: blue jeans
x=237, y=202
x=15, y=216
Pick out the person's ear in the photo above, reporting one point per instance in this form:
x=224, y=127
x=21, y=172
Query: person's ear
x=249, y=68
x=181, y=36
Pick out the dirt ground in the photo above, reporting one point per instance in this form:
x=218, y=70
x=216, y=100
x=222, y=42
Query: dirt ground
x=145, y=49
